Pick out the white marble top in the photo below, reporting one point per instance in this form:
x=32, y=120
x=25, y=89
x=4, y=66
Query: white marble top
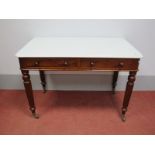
x=75, y=47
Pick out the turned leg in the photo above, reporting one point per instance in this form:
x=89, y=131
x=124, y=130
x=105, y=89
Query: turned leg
x=128, y=92
x=29, y=93
x=43, y=80
x=114, y=81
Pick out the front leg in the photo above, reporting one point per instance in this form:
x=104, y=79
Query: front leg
x=29, y=93
x=128, y=92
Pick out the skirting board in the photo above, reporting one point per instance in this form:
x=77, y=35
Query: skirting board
x=93, y=82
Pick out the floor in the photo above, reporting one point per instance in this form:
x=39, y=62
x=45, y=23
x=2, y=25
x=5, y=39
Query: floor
x=76, y=112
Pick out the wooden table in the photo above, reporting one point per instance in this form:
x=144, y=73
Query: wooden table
x=79, y=54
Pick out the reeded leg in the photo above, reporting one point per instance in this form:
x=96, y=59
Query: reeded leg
x=128, y=92
x=114, y=81
x=29, y=93
x=43, y=80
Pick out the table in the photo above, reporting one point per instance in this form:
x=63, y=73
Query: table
x=79, y=54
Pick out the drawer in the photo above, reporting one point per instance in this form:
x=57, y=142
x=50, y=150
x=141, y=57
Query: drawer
x=109, y=64
x=79, y=64
x=51, y=63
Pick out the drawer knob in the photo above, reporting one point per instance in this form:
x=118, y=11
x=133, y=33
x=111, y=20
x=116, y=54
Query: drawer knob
x=121, y=64
x=92, y=63
x=36, y=63
x=66, y=63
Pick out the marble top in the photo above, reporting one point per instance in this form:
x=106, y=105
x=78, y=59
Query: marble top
x=79, y=47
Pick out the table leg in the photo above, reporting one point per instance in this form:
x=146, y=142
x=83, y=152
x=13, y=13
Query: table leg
x=128, y=92
x=114, y=81
x=29, y=93
x=43, y=80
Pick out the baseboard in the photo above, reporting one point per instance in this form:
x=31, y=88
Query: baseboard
x=89, y=82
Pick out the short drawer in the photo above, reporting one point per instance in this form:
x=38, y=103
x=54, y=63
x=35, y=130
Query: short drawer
x=109, y=64
x=57, y=63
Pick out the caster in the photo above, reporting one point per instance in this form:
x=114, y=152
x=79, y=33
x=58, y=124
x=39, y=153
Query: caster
x=113, y=91
x=43, y=86
x=123, y=118
x=44, y=90
x=36, y=116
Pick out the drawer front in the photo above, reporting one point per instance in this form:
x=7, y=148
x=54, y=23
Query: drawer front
x=109, y=64
x=79, y=64
x=54, y=63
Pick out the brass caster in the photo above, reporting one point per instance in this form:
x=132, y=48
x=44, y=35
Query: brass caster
x=113, y=91
x=36, y=116
x=44, y=90
x=123, y=118
x=43, y=86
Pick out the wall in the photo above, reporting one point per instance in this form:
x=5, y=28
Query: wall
x=15, y=33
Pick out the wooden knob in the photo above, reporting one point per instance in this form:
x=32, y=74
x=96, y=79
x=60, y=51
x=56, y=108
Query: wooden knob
x=66, y=63
x=92, y=63
x=121, y=64
x=36, y=63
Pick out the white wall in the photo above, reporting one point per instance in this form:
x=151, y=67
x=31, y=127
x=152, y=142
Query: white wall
x=15, y=33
